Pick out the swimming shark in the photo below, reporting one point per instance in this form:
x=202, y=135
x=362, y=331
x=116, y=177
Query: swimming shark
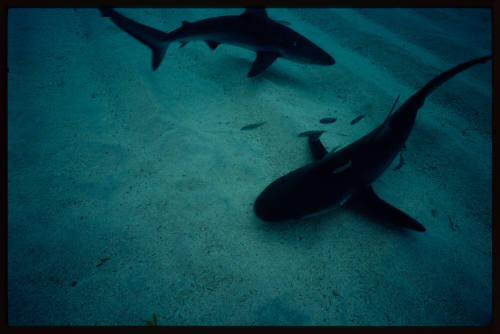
x=346, y=175
x=252, y=30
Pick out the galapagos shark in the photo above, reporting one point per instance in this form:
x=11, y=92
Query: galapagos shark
x=346, y=175
x=252, y=30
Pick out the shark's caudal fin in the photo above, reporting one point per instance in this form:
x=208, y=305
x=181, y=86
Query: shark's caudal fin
x=443, y=77
x=405, y=115
x=155, y=39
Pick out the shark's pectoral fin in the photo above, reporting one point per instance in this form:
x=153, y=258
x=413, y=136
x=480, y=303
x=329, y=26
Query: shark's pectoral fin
x=368, y=202
x=264, y=60
x=318, y=151
x=212, y=44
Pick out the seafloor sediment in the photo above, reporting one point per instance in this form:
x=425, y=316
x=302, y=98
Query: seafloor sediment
x=130, y=192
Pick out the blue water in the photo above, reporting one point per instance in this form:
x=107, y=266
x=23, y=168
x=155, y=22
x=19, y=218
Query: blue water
x=130, y=191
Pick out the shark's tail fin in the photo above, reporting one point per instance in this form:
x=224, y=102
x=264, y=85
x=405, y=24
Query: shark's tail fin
x=157, y=40
x=443, y=77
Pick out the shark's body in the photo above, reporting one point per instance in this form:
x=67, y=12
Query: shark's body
x=252, y=30
x=346, y=175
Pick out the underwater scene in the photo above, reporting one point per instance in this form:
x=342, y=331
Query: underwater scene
x=232, y=166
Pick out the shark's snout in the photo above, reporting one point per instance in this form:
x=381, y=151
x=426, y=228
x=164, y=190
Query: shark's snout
x=267, y=207
x=323, y=58
x=262, y=210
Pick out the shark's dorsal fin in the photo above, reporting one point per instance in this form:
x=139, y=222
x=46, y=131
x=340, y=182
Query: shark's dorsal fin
x=212, y=45
x=388, y=116
x=255, y=12
x=392, y=109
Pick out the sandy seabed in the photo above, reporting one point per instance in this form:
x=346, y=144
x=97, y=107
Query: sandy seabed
x=130, y=192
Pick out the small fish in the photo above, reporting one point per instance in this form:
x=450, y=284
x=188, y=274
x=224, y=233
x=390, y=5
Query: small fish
x=357, y=119
x=401, y=162
x=310, y=133
x=452, y=225
x=102, y=261
x=252, y=126
x=327, y=120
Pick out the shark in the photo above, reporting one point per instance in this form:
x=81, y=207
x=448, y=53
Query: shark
x=252, y=30
x=345, y=176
